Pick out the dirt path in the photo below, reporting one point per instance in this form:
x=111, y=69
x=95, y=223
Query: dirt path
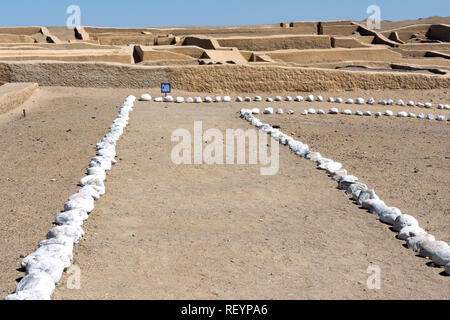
x=226, y=232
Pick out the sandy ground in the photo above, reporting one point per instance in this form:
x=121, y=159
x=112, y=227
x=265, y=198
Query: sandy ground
x=221, y=232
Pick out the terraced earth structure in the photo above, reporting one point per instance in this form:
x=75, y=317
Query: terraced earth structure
x=87, y=153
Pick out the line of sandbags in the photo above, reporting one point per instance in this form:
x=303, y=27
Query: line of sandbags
x=417, y=239
x=45, y=266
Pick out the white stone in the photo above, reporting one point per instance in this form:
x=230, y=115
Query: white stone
x=304, y=112
x=358, y=113
x=421, y=116
x=442, y=256
x=430, y=117
x=257, y=99
x=37, y=281
x=404, y=220
x=331, y=100
x=268, y=111
x=411, y=103
x=69, y=231
x=428, y=105
x=367, y=113
x=359, y=101
x=333, y=111
x=290, y=112
x=208, y=100
x=299, y=98
x=440, y=118
x=319, y=99
x=429, y=248
x=288, y=98
x=198, y=100
x=349, y=101
x=255, y=111
x=278, y=98
x=320, y=111
x=400, y=103
x=347, y=112
x=168, y=99
x=179, y=100
x=402, y=114
x=410, y=231
x=247, y=99
x=312, y=111
x=190, y=100
x=371, y=101
x=310, y=98
x=227, y=99
x=280, y=111
x=411, y=115
x=378, y=114
x=339, y=100
x=158, y=99
x=414, y=243
x=146, y=97
x=269, y=99
x=388, y=113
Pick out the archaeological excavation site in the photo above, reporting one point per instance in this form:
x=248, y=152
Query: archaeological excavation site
x=302, y=160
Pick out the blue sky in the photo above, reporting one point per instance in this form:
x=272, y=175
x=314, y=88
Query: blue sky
x=148, y=13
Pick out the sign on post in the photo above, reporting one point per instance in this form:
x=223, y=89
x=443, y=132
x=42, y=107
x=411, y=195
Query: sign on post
x=166, y=88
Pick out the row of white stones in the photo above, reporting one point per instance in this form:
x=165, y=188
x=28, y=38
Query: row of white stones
x=309, y=98
x=407, y=226
x=45, y=266
x=388, y=113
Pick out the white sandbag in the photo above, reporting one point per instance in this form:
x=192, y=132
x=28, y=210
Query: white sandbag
x=310, y=98
x=371, y=101
x=63, y=241
x=347, y=112
x=355, y=189
x=288, y=99
x=430, y=117
x=367, y=113
x=314, y=156
x=290, y=112
x=414, y=243
x=429, y=248
x=366, y=195
x=349, y=101
x=198, y=100
x=345, y=181
x=341, y=172
x=358, y=113
x=389, y=215
x=279, y=111
x=179, y=100
x=360, y=101
x=330, y=100
x=411, y=103
x=319, y=99
x=411, y=115
x=227, y=99
x=146, y=97
x=390, y=102
x=71, y=217
x=447, y=269
x=428, y=105
x=400, y=103
x=247, y=99
x=304, y=112
x=269, y=99
x=268, y=111
x=378, y=114
x=339, y=100
x=278, y=98
x=375, y=206
x=312, y=111
x=80, y=203
x=257, y=99
x=404, y=220
x=255, y=111
x=189, y=100
x=158, y=99
x=382, y=102
x=440, y=118
x=57, y=251
x=97, y=171
x=331, y=166
x=69, y=231
x=320, y=111
x=420, y=105
x=402, y=114
x=421, y=116
x=208, y=100
x=218, y=99
x=37, y=281
x=299, y=98
x=410, y=231
x=388, y=113
x=30, y=295
x=442, y=256
x=92, y=180
x=333, y=111
x=168, y=99
x=52, y=266
x=81, y=197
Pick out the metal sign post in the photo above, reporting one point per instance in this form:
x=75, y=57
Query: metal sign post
x=166, y=88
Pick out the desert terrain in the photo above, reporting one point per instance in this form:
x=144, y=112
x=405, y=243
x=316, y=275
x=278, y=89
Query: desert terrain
x=166, y=231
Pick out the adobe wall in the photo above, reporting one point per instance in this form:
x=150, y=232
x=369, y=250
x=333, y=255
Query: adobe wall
x=15, y=38
x=272, y=43
x=439, y=32
x=335, y=55
x=13, y=95
x=225, y=78
x=20, y=30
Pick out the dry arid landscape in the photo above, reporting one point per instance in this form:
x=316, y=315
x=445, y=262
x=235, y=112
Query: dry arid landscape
x=162, y=230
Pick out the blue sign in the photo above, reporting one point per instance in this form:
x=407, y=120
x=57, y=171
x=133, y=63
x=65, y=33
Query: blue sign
x=166, y=88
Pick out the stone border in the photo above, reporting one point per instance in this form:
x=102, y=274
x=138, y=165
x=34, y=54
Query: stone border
x=45, y=266
x=417, y=239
